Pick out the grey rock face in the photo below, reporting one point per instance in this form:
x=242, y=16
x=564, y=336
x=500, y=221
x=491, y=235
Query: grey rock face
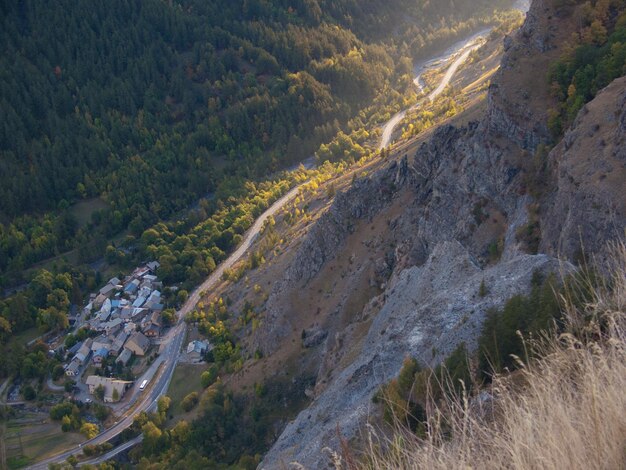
x=430, y=305
x=313, y=337
x=363, y=200
x=436, y=304
x=511, y=121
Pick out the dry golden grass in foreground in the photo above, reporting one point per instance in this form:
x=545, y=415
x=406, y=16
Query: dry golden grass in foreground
x=570, y=412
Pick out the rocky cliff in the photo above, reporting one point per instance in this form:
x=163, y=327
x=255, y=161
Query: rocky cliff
x=451, y=214
x=587, y=203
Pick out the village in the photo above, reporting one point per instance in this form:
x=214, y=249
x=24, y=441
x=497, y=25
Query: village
x=122, y=325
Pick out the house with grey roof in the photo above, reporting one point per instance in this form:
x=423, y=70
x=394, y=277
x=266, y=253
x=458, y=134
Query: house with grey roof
x=138, y=344
x=72, y=368
x=83, y=353
x=124, y=357
x=118, y=344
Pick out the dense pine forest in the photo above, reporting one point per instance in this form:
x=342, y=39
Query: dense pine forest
x=149, y=106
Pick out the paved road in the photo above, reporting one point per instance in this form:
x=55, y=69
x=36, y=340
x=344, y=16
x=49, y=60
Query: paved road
x=251, y=235
x=166, y=363
x=113, y=452
x=460, y=52
x=52, y=386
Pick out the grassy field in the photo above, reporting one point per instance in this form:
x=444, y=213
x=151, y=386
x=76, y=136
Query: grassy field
x=83, y=210
x=32, y=437
x=24, y=337
x=186, y=379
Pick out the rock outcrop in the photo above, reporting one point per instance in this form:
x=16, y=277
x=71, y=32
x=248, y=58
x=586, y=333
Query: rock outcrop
x=518, y=96
x=588, y=206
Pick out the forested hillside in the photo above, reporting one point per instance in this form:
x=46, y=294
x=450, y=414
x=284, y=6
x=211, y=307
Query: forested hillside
x=152, y=105
x=118, y=117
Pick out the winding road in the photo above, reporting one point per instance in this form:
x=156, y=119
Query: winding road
x=460, y=53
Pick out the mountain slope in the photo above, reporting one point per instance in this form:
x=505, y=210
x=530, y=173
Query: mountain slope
x=456, y=215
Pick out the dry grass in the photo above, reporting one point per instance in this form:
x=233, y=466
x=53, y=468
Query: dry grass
x=570, y=412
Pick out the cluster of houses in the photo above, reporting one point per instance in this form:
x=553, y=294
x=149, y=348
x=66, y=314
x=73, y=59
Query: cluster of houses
x=122, y=347
x=127, y=315
x=133, y=304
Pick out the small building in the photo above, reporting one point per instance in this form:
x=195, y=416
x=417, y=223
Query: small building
x=83, y=353
x=145, y=292
x=153, y=266
x=114, y=389
x=197, y=346
x=152, y=331
x=112, y=326
x=82, y=357
x=138, y=313
x=152, y=327
x=132, y=287
x=139, y=273
x=138, y=344
x=139, y=301
x=74, y=349
x=126, y=313
x=99, y=356
x=72, y=368
x=118, y=344
x=108, y=291
x=99, y=301
x=197, y=349
x=124, y=357
x=100, y=342
x=130, y=327
x=153, y=299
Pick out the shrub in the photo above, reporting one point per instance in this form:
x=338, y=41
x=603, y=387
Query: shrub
x=28, y=392
x=482, y=290
x=89, y=430
x=190, y=401
x=209, y=376
x=65, y=408
x=100, y=411
x=99, y=392
x=57, y=372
